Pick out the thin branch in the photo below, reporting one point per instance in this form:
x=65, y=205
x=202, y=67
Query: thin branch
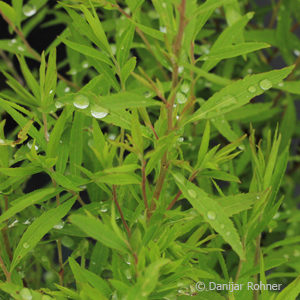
x=120, y=211
x=143, y=37
x=274, y=14
x=192, y=177
x=4, y=269
x=144, y=181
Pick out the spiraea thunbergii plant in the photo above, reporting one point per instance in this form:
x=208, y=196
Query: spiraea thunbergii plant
x=145, y=150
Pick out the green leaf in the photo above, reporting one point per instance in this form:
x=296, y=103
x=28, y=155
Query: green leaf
x=204, y=144
x=125, y=100
x=99, y=231
x=221, y=175
x=127, y=69
x=289, y=86
x=230, y=35
x=234, y=204
x=76, y=142
x=291, y=291
x=21, y=171
x=27, y=200
x=56, y=134
x=212, y=213
x=233, y=51
x=124, y=44
x=97, y=29
x=239, y=93
x=88, y=51
x=8, y=11
x=30, y=80
x=84, y=276
x=38, y=229
x=120, y=179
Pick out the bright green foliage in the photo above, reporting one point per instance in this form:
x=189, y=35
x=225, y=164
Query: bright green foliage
x=149, y=149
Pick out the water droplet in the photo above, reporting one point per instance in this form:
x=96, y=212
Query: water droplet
x=25, y=294
x=29, y=10
x=296, y=253
x=13, y=223
x=163, y=29
x=59, y=226
x=21, y=48
x=67, y=89
x=85, y=65
x=81, y=102
x=30, y=143
x=242, y=147
x=26, y=245
x=257, y=197
x=222, y=226
x=252, y=89
x=250, y=71
x=228, y=233
x=27, y=222
x=174, y=105
x=177, y=117
x=13, y=41
x=265, y=84
x=147, y=94
x=211, y=215
x=128, y=274
x=180, y=139
x=276, y=216
x=58, y=104
x=113, y=49
x=281, y=84
x=297, y=52
x=98, y=112
x=112, y=136
x=2, y=141
x=73, y=72
x=185, y=88
x=205, y=49
x=51, y=92
x=192, y=193
x=286, y=256
x=181, y=98
x=180, y=69
x=228, y=101
x=164, y=5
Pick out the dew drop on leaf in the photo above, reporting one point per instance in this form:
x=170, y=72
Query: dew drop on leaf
x=252, y=89
x=180, y=98
x=81, y=102
x=25, y=294
x=98, y=112
x=21, y=48
x=265, y=84
x=29, y=10
x=26, y=245
x=192, y=193
x=30, y=143
x=67, y=89
x=58, y=104
x=222, y=226
x=228, y=233
x=59, y=226
x=185, y=88
x=211, y=215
